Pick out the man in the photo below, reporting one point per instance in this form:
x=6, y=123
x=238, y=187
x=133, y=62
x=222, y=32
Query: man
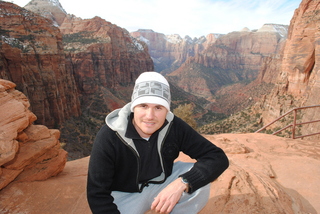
x=132, y=167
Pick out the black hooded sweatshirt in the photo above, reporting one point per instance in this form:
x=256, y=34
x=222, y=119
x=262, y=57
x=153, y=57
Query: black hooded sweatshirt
x=115, y=162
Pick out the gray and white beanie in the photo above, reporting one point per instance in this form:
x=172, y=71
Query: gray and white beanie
x=151, y=87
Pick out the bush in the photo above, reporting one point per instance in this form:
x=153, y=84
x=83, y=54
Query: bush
x=185, y=112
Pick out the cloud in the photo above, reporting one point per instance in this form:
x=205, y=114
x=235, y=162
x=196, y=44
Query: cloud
x=184, y=17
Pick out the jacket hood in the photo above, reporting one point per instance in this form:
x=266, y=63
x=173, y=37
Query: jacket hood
x=117, y=120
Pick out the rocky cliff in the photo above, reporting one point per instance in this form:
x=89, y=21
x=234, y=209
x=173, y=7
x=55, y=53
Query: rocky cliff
x=104, y=61
x=98, y=52
x=32, y=56
x=52, y=10
x=27, y=152
x=243, y=50
x=94, y=57
x=292, y=76
x=102, y=54
x=233, y=58
x=103, y=58
x=170, y=51
x=297, y=79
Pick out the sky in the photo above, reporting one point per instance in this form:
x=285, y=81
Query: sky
x=194, y=18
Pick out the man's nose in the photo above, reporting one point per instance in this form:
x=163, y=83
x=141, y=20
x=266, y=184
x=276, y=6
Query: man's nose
x=150, y=113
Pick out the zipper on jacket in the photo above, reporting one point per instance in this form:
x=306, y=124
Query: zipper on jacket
x=137, y=156
x=146, y=184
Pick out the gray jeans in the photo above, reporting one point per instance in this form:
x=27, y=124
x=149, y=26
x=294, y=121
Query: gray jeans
x=139, y=203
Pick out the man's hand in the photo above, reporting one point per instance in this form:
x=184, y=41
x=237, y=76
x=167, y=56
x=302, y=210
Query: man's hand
x=168, y=197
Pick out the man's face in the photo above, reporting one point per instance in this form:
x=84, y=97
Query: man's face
x=148, y=118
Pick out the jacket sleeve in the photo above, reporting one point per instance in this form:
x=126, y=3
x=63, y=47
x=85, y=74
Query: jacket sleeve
x=211, y=161
x=100, y=175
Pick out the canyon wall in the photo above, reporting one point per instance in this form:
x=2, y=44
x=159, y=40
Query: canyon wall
x=102, y=54
x=235, y=58
x=170, y=51
x=243, y=50
x=64, y=70
x=32, y=56
x=298, y=77
x=103, y=61
x=52, y=10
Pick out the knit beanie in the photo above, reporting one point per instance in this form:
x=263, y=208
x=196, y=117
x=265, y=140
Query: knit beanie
x=151, y=87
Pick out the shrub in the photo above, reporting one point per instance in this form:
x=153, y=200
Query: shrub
x=185, y=112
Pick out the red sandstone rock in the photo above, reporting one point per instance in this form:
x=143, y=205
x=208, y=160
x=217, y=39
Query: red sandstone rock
x=101, y=56
x=296, y=70
x=110, y=57
x=230, y=58
x=32, y=57
x=169, y=51
x=27, y=152
x=49, y=9
x=267, y=174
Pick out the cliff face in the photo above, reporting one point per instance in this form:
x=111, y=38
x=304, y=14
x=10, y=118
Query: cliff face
x=60, y=68
x=301, y=60
x=27, y=152
x=49, y=9
x=32, y=56
x=170, y=51
x=232, y=58
x=297, y=82
x=103, y=61
x=102, y=57
x=243, y=50
x=102, y=54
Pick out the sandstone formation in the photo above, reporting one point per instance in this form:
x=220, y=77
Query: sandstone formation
x=99, y=53
x=50, y=9
x=267, y=174
x=28, y=152
x=297, y=77
x=32, y=57
x=88, y=64
x=102, y=54
x=232, y=58
x=102, y=57
x=170, y=51
x=104, y=61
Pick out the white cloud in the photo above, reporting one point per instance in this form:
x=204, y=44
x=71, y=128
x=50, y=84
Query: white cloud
x=185, y=17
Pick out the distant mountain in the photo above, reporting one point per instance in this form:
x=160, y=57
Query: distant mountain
x=73, y=76
x=234, y=58
x=32, y=56
x=50, y=9
x=168, y=52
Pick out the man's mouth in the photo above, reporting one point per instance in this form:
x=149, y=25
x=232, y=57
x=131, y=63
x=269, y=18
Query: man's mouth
x=149, y=123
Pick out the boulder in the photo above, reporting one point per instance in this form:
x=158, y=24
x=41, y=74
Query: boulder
x=28, y=152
